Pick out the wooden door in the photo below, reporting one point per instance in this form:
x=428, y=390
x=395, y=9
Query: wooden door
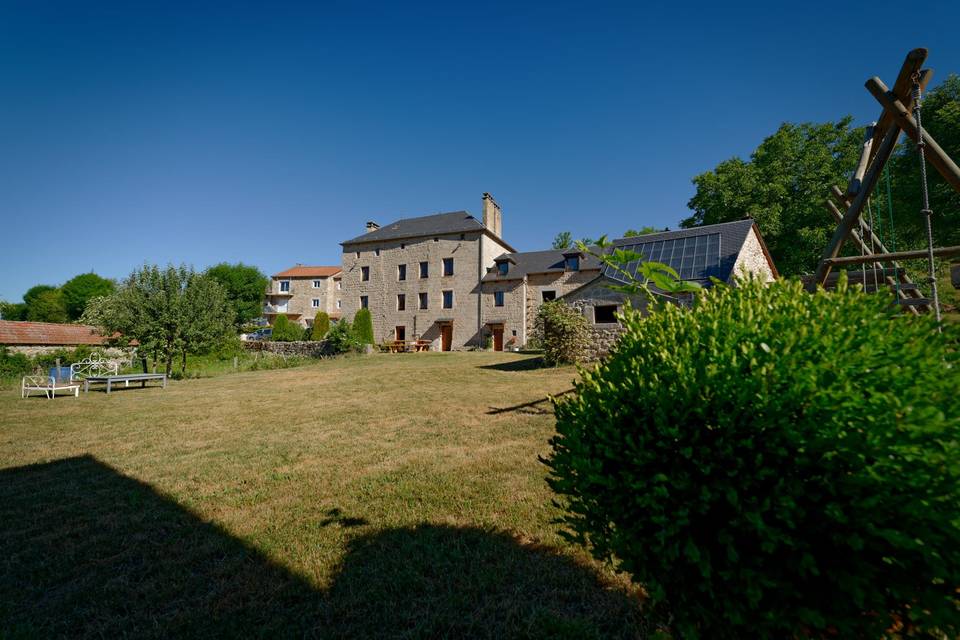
x=497, y=337
x=401, y=333
x=446, y=337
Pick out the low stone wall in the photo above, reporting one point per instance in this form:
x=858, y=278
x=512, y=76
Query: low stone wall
x=601, y=340
x=307, y=349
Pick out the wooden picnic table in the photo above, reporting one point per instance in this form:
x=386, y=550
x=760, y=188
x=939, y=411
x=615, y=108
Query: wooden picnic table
x=125, y=378
x=403, y=346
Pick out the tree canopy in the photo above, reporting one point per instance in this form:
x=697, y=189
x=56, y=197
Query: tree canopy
x=563, y=240
x=245, y=286
x=47, y=306
x=168, y=311
x=81, y=289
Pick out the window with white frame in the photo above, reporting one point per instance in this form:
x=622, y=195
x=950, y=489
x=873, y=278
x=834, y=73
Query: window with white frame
x=364, y=301
x=284, y=286
x=317, y=284
x=315, y=303
x=448, y=299
x=422, y=300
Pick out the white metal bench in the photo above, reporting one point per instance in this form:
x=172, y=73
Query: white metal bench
x=92, y=368
x=49, y=385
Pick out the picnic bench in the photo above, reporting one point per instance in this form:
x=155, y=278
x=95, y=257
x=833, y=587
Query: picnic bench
x=125, y=378
x=408, y=346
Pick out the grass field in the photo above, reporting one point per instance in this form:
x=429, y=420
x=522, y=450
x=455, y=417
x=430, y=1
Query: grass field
x=387, y=495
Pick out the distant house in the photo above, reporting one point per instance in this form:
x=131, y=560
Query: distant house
x=520, y=282
x=301, y=292
x=41, y=337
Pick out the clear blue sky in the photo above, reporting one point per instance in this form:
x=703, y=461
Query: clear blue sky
x=268, y=132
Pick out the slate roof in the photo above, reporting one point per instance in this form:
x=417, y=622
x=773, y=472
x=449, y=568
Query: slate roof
x=48, y=333
x=440, y=223
x=527, y=262
x=732, y=237
x=302, y=271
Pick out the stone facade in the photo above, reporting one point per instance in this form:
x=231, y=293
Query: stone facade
x=602, y=339
x=371, y=271
x=753, y=259
x=302, y=292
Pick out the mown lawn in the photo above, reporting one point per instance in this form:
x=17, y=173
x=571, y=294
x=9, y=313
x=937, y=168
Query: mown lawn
x=387, y=495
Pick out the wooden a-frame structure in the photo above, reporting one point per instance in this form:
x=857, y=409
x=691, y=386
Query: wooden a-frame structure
x=879, y=143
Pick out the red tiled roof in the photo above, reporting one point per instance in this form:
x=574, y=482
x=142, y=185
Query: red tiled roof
x=48, y=333
x=300, y=271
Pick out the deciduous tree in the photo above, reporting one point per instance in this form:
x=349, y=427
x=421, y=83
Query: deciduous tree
x=245, y=286
x=80, y=289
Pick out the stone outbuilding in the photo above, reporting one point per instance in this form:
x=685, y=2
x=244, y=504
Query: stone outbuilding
x=719, y=252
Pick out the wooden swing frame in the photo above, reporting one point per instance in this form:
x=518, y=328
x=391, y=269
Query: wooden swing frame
x=878, y=146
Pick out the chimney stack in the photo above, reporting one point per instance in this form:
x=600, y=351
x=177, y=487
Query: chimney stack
x=372, y=226
x=492, y=216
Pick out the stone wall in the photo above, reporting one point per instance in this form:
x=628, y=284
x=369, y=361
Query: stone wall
x=602, y=338
x=307, y=349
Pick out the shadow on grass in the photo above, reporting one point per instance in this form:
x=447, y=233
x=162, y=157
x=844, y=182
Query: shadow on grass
x=518, y=364
x=88, y=552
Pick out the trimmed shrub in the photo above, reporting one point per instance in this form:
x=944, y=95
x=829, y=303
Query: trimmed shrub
x=286, y=331
x=561, y=331
x=363, y=326
x=342, y=338
x=773, y=464
x=321, y=325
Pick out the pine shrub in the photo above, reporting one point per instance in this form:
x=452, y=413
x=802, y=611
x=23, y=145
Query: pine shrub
x=321, y=325
x=773, y=464
x=363, y=326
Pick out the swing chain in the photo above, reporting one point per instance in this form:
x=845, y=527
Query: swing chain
x=926, y=211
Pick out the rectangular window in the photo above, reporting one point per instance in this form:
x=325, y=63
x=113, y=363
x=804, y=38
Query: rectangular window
x=401, y=302
x=401, y=272
x=363, y=302
x=338, y=285
x=547, y=296
x=503, y=268
x=284, y=286
x=572, y=263
x=317, y=284
x=377, y=251
x=422, y=299
x=338, y=305
x=605, y=314
x=448, y=266
x=364, y=273
x=315, y=303
x=424, y=269
x=448, y=299
x=498, y=298
x=400, y=333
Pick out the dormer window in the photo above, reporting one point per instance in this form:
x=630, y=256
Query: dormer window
x=503, y=268
x=571, y=261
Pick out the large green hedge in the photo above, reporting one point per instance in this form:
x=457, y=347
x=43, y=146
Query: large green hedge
x=773, y=464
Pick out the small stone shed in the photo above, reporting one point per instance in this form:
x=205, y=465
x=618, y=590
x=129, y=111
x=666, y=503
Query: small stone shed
x=722, y=251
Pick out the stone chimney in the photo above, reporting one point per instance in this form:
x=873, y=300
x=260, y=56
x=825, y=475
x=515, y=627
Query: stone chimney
x=372, y=226
x=492, y=216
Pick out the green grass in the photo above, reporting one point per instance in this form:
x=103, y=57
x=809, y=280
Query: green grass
x=379, y=496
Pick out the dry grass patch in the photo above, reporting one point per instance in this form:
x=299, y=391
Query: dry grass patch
x=368, y=496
